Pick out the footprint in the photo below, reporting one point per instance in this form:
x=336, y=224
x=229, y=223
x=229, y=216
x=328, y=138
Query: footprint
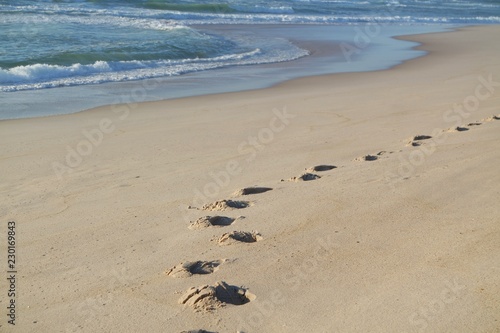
x=421, y=137
x=415, y=140
x=458, y=129
x=474, y=124
x=198, y=331
x=190, y=268
x=305, y=177
x=226, y=204
x=209, y=298
x=367, y=158
x=320, y=168
x=211, y=221
x=239, y=236
x=252, y=190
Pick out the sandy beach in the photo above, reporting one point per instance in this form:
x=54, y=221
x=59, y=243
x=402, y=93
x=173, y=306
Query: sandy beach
x=397, y=229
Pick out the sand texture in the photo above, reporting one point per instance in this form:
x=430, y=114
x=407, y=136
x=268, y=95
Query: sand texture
x=376, y=197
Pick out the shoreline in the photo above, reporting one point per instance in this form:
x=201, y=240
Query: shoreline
x=401, y=227
x=325, y=52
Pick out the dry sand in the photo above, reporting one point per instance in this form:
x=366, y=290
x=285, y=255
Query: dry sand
x=407, y=240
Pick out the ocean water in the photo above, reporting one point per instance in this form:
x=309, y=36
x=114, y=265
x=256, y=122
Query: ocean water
x=50, y=44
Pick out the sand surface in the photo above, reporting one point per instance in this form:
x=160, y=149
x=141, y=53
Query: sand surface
x=403, y=235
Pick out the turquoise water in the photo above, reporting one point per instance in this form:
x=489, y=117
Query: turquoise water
x=56, y=44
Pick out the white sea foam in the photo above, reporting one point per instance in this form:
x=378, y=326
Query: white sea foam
x=48, y=76
x=98, y=20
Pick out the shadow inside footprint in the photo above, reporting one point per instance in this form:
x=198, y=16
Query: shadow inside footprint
x=190, y=268
x=226, y=204
x=221, y=220
x=198, y=331
x=232, y=294
x=204, y=267
x=320, y=168
x=421, y=137
x=211, y=221
x=458, y=129
x=473, y=124
x=368, y=158
x=305, y=177
x=239, y=236
x=252, y=190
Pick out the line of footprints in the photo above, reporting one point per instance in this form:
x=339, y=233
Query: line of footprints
x=419, y=140
x=211, y=297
